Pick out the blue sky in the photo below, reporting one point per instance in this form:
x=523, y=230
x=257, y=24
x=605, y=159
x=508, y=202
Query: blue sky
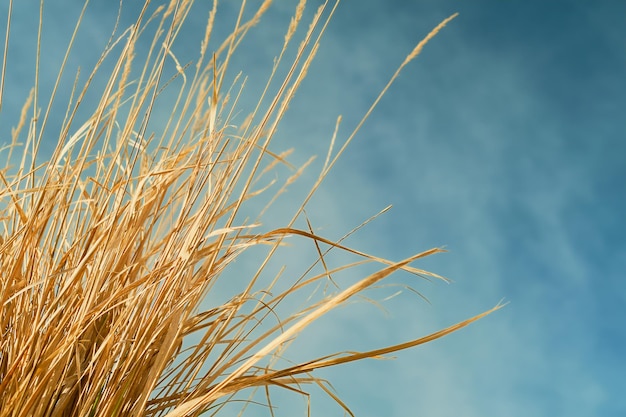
x=505, y=142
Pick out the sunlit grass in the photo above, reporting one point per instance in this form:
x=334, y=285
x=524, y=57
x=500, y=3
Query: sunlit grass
x=109, y=248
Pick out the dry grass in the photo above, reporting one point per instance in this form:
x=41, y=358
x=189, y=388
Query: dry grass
x=108, y=248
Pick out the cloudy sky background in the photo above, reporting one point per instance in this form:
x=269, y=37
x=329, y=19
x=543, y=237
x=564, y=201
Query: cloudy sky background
x=504, y=142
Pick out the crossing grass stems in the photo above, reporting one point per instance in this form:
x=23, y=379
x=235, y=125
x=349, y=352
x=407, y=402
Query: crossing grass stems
x=110, y=247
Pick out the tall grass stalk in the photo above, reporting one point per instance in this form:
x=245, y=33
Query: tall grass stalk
x=110, y=247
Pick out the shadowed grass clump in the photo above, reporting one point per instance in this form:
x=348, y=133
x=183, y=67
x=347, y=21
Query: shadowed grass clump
x=110, y=247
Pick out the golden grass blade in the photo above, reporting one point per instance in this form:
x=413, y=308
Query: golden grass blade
x=5, y=51
x=408, y=59
x=378, y=353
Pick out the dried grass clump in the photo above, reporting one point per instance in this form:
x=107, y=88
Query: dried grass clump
x=110, y=246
